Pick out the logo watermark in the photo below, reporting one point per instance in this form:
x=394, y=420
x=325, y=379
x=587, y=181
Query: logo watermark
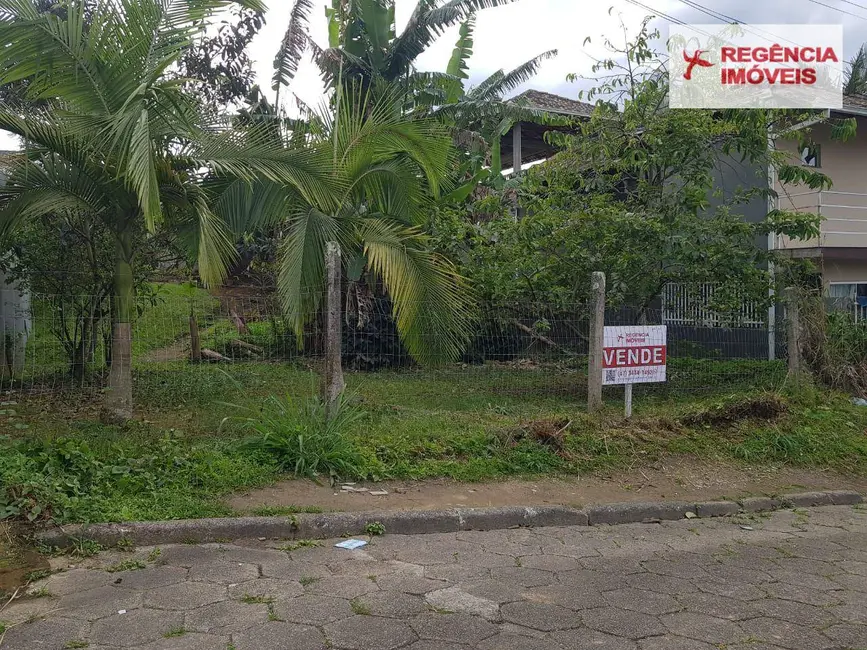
x=756, y=66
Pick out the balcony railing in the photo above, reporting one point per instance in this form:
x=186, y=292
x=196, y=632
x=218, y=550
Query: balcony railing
x=844, y=218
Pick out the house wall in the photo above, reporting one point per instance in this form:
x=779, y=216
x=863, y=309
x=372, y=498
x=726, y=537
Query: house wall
x=732, y=175
x=844, y=271
x=844, y=206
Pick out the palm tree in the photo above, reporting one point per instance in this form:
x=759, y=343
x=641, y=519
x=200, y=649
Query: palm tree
x=856, y=74
x=389, y=168
x=111, y=134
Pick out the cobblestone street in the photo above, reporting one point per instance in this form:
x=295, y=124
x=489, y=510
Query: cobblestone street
x=796, y=580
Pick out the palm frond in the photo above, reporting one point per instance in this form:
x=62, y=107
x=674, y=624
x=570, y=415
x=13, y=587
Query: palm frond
x=292, y=47
x=498, y=85
x=430, y=300
x=856, y=74
x=457, y=66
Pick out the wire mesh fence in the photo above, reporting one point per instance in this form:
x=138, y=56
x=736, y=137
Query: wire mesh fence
x=63, y=344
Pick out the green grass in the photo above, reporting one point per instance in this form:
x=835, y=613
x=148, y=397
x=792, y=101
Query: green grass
x=126, y=565
x=166, y=321
x=175, y=632
x=247, y=599
x=472, y=424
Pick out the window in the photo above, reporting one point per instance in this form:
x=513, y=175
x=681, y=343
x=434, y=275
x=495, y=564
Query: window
x=811, y=156
x=852, y=290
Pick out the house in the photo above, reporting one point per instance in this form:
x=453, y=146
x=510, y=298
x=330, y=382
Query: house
x=840, y=250
x=525, y=143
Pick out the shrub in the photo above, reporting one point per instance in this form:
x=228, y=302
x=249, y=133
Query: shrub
x=834, y=346
x=304, y=440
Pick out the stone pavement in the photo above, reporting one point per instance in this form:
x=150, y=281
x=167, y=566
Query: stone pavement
x=797, y=580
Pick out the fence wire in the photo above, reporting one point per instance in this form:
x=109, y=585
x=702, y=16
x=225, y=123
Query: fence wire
x=59, y=344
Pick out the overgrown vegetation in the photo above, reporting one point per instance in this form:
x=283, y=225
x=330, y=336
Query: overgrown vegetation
x=462, y=424
x=834, y=345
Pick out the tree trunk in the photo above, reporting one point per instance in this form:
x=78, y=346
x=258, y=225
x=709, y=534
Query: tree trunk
x=15, y=326
x=195, y=343
x=118, y=399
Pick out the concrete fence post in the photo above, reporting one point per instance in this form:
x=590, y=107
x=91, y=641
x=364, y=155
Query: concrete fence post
x=332, y=381
x=597, y=329
x=793, y=332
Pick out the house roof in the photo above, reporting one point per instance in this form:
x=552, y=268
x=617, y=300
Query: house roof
x=854, y=105
x=551, y=103
x=533, y=144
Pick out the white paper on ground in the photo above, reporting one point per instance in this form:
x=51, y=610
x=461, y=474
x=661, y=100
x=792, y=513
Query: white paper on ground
x=351, y=544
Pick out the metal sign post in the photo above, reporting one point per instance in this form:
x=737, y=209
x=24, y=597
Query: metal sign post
x=633, y=355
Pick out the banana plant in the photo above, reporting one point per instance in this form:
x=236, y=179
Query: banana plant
x=364, y=47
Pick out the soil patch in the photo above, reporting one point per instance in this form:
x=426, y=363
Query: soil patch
x=764, y=407
x=16, y=562
x=675, y=479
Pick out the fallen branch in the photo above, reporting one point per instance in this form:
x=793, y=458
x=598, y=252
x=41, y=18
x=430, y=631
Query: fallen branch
x=210, y=355
x=541, y=337
x=237, y=343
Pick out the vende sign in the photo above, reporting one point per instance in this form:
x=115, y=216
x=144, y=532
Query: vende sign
x=634, y=354
x=756, y=66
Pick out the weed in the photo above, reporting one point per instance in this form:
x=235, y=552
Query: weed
x=375, y=528
x=247, y=599
x=359, y=607
x=175, y=632
x=272, y=613
x=39, y=574
x=279, y=511
x=125, y=544
x=301, y=543
x=372, y=578
x=49, y=550
x=154, y=555
x=83, y=547
x=42, y=592
x=126, y=565
x=306, y=440
x=306, y=581
x=75, y=643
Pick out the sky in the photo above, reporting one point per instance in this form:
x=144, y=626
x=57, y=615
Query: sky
x=509, y=35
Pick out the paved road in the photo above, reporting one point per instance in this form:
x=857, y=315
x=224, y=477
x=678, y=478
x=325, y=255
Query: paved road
x=798, y=580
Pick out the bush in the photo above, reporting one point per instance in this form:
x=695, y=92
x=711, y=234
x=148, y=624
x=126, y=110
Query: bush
x=304, y=440
x=834, y=346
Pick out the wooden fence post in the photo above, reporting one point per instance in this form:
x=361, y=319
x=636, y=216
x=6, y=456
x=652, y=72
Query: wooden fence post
x=195, y=341
x=332, y=381
x=597, y=329
x=793, y=332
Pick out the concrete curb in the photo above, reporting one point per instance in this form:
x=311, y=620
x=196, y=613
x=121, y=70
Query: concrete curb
x=414, y=522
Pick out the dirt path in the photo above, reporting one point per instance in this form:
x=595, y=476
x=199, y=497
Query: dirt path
x=676, y=479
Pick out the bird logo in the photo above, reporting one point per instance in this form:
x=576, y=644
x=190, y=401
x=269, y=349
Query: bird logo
x=693, y=61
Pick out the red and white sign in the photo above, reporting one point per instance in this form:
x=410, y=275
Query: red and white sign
x=756, y=66
x=634, y=354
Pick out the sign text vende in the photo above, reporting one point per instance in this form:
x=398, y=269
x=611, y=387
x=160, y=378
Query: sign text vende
x=653, y=355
